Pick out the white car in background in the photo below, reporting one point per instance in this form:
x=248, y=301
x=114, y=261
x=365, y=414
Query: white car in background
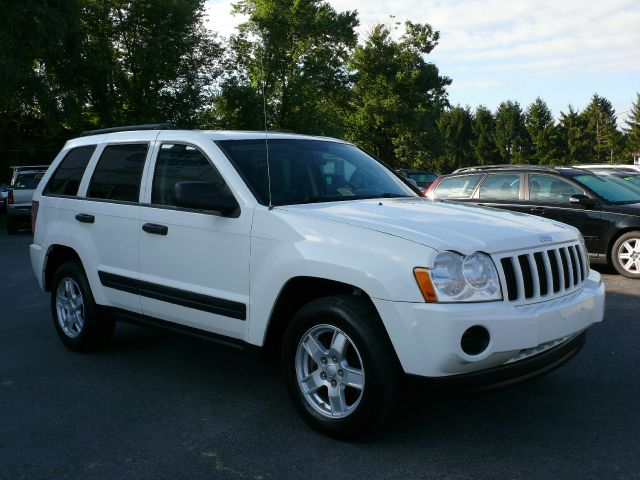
x=334, y=265
x=621, y=167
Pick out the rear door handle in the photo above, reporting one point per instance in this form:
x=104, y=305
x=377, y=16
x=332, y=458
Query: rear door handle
x=155, y=228
x=538, y=209
x=85, y=218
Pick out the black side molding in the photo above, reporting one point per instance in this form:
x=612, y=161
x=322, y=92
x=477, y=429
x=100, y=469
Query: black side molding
x=218, y=306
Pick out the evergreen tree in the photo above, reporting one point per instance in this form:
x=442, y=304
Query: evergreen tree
x=602, y=135
x=572, y=128
x=455, y=126
x=483, y=140
x=633, y=128
x=512, y=138
x=541, y=129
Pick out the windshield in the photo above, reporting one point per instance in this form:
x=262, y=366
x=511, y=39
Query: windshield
x=309, y=171
x=612, y=189
x=422, y=178
x=27, y=181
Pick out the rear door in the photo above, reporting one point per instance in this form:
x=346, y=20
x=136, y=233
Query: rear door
x=109, y=212
x=194, y=264
x=502, y=190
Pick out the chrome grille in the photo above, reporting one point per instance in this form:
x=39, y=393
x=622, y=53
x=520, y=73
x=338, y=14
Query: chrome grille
x=542, y=274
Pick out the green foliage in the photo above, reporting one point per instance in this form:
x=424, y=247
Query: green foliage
x=296, y=50
x=78, y=64
x=542, y=131
x=511, y=136
x=604, y=140
x=633, y=128
x=483, y=141
x=397, y=96
x=455, y=126
x=67, y=66
x=572, y=133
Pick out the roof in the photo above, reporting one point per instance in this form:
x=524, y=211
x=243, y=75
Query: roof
x=520, y=167
x=134, y=134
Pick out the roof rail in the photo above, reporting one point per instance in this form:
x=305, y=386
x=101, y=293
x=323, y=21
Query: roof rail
x=479, y=168
x=27, y=167
x=130, y=128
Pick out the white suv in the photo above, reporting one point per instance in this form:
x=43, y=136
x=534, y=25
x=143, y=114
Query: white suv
x=335, y=265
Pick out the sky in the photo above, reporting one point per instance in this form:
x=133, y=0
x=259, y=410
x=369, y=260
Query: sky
x=563, y=51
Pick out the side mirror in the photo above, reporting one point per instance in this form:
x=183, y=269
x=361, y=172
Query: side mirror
x=204, y=196
x=581, y=199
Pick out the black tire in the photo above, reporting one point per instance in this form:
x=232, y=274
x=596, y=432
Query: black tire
x=96, y=330
x=619, y=247
x=12, y=225
x=382, y=380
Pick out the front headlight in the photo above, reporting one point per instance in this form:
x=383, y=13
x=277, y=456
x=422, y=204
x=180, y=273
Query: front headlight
x=459, y=278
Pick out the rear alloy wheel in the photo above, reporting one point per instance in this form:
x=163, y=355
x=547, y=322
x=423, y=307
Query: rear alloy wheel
x=625, y=255
x=341, y=371
x=75, y=313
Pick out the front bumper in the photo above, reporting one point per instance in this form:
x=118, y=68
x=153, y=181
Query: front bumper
x=427, y=336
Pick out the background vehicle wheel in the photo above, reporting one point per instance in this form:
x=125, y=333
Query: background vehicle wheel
x=74, y=311
x=625, y=255
x=12, y=224
x=341, y=370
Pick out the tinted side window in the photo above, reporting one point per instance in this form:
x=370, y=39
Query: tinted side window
x=457, y=187
x=549, y=189
x=501, y=186
x=182, y=163
x=118, y=173
x=67, y=177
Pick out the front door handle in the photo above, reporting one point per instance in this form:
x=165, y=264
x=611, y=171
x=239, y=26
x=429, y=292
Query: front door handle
x=155, y=228
x=85, y=218
x=538, y=210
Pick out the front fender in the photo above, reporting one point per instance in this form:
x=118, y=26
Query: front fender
x=283, y=248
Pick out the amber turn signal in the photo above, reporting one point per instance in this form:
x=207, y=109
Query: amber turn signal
x=424, y=282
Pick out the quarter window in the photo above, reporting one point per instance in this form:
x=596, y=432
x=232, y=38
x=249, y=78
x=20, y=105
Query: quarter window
x=119, y=172
x=549, y=189
x=457, y=187
x=500, y=186
x=67, y=177
x=182, y=163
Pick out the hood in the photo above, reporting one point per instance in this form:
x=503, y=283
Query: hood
x=443, y=225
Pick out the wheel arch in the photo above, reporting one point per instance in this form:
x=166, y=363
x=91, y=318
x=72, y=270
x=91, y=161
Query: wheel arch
x=297, y=292
x=57, y=254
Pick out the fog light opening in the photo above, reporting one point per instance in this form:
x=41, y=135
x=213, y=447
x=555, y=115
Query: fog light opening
x=475, y=340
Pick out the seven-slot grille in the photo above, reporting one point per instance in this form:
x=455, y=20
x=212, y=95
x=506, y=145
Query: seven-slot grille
x=543, y=274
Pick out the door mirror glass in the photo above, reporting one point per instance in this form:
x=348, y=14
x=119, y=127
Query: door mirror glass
x=204, y=196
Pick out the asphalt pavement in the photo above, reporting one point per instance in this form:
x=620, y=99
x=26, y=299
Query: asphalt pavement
x=158, y=405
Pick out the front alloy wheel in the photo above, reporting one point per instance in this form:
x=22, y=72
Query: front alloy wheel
x=625, y=255
x=329, y=371
x=342, y=373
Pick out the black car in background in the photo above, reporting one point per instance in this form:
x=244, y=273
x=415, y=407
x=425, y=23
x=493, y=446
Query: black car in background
x=423, y=178
x=605, y=208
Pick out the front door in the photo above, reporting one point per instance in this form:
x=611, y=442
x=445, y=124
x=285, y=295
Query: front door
x=194, y=264
x=548, y=196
